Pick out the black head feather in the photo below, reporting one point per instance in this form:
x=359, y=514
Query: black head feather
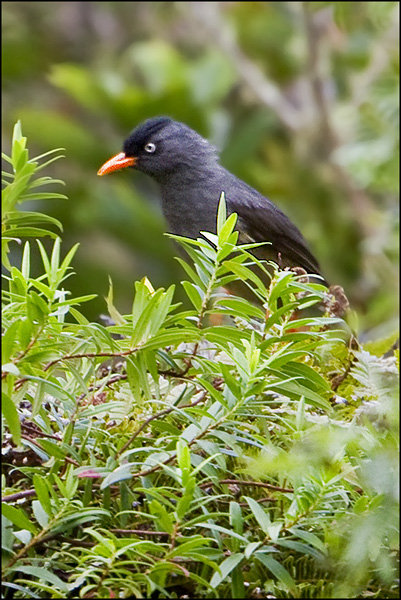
x=139, y=136
x=177, y=149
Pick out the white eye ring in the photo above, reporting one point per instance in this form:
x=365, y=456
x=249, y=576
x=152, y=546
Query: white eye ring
x=150, y=148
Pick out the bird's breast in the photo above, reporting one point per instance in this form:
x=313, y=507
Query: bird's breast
x=190, y=209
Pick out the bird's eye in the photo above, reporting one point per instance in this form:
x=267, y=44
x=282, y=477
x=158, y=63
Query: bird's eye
x=150, y=148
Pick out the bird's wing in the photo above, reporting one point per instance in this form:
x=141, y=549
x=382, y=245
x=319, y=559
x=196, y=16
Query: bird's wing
x=260, y=220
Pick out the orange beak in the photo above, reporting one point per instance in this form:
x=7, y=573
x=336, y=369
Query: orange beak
x=120, y=161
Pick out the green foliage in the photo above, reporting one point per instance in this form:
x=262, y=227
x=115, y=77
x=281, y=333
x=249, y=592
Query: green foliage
x=199, y=452
x=18, y=186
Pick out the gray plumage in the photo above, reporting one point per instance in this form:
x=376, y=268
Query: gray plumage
x=191, y=180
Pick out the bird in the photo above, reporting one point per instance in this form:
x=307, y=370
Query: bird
x=191, y=179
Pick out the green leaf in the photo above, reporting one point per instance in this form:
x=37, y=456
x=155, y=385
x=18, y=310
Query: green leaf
x=79, y=517
x=29, y=217
x=68, y=259
x=236, y=522
x=19, y=517
x=55, y=260
x=240, y=307
x=143, y=294
x=164, y=518
x=237, y=583
x=278, y=571
x=26, y=261
x=43, y=196
x=191, y=273
x=260, y=515
x=250, y=549
x=72, y=301
x=10, y=413
x=19, y=232
x=228, y=532
x=19, y=154
x=183, y=455
x=17, y=134
x=244, y=273
x=36, y=308
x=10, y=340
x=225, y=568
x=300, y=547
x=48, y=153
x=46, y=262
x=295, y=390
x=8, y=535
x=172, y=337
x=40, y=514
x=151, y=319
x=41, y=181
x=53, y=449
x=227, y=229
x=120, y=474
x=11, y=368
x=184, y=503
x=42, y=493
x=310, y=538
x=43, y=574
x=113, y=312
x=193, y=294
x=221, y=213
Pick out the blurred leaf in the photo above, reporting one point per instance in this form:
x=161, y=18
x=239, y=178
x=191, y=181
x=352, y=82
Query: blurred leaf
x=10, y=413
x=225, y=569
x=45, y=575
x=18, y=517
x=277, y=570
x=260, y=515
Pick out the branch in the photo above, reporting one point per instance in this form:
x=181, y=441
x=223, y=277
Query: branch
x=327, y=135
x=328, y=139
x=251, y=483
x=208, y=16
x=91, y=355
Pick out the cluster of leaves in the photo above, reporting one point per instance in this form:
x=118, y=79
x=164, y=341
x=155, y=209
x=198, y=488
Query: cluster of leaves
x=203, y=452
x=17, y=223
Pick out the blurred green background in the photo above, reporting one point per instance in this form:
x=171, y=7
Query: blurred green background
x=301, y=98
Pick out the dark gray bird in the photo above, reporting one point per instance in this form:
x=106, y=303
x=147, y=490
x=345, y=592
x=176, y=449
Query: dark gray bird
x=191, y=180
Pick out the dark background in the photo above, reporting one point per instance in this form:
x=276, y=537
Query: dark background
x=301, y=98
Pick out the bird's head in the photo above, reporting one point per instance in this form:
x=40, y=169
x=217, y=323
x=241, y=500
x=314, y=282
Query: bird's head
x=161, y=146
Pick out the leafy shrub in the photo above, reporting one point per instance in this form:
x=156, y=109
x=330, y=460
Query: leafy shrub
x=223, y=451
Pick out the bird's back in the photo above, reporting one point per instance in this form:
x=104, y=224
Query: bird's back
x=191, y=207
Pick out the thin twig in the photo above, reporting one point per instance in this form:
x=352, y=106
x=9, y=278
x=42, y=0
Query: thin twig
x=18, y=496
x=326, y=133
x=268, y=486
x=208, y=15
x=141, y=532
x=329, y=141
x=91, y=355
